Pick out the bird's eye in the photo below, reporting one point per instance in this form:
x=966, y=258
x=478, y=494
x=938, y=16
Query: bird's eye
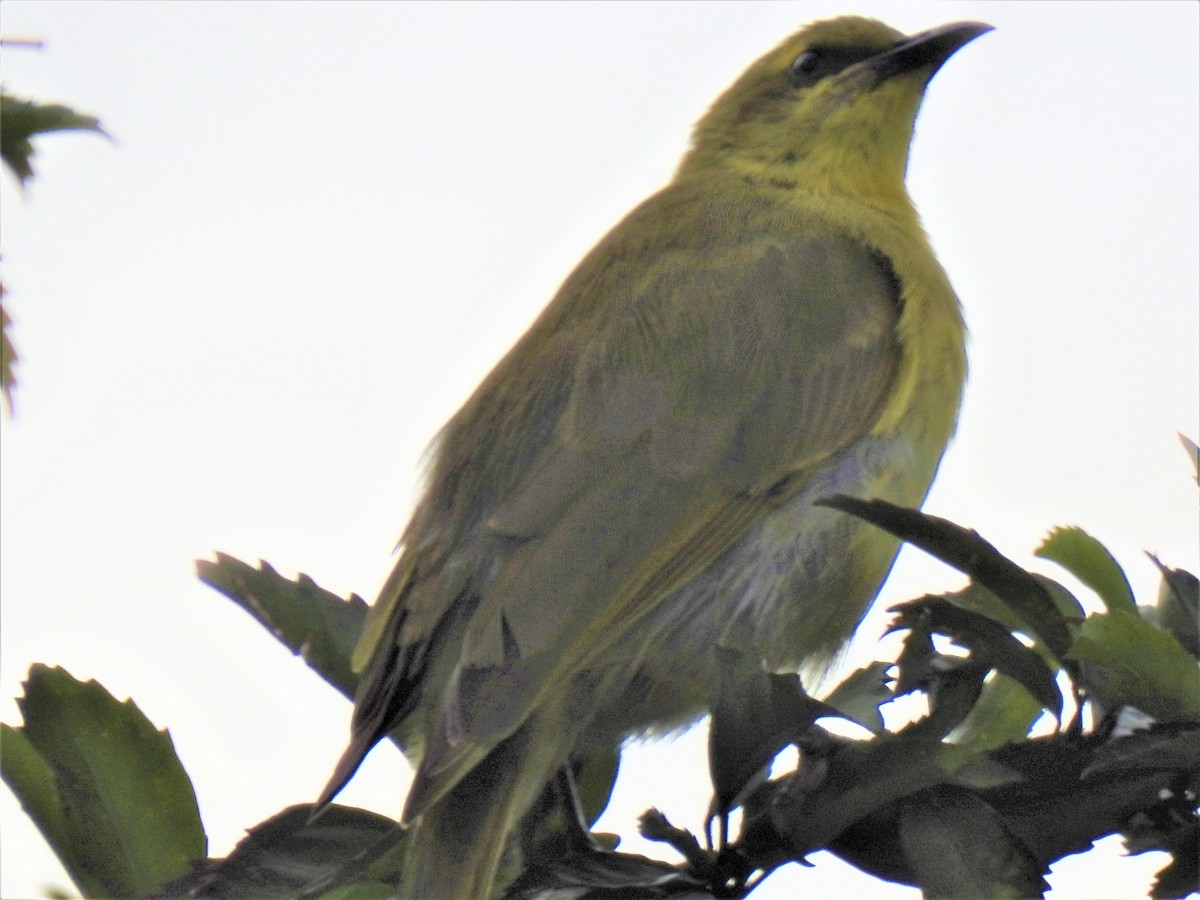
x=806, y=67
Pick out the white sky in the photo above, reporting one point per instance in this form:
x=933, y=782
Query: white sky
x=322, y=224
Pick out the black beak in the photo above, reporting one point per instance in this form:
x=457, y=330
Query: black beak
x=926, y=51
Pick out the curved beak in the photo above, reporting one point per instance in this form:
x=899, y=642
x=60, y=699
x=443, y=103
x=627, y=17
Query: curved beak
x=927, y=51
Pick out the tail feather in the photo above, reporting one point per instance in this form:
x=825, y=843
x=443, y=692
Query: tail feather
x=458, y=842
x=387, y=694
x=360, y=745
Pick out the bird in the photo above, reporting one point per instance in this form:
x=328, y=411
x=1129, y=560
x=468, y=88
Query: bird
x=630, y=491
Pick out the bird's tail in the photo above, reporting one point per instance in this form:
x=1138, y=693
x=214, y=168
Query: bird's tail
x=458, y=841
x=387, y=695
x=360, y=745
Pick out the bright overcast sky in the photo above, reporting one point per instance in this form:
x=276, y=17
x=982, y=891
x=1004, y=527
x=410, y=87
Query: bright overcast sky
x=321, y=224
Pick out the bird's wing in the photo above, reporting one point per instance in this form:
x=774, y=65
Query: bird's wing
x=717, y=383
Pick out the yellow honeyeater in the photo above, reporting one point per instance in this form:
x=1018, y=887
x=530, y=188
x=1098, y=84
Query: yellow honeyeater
x=631, y=489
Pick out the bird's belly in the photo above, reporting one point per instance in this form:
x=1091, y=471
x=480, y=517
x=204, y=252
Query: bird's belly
x=790, y=593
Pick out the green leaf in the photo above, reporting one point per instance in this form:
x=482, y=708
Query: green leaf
x=861, y=693
x=31, y=778
x=952, y=693
x=1133, y=663
x=1004, y=712
x=595, y=781
x=1178, y=609
x=598, y=874
x=972, y=769
x=313, y=623
x=1089, y=561
x=966, y=551
x=865, y=777
x=1173, y=747
x=1062, y=805
x=989, y=642
x=103, y=785
x=916, y=664
x=756, y=715
x=290, y=856
x=956, y=845
x=1193, y=451
x=977, y=598
x=8, y=355
x=20, y=120
x=1179, y=879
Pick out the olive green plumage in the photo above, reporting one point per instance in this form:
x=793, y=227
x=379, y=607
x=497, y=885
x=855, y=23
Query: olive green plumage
x=631, y=488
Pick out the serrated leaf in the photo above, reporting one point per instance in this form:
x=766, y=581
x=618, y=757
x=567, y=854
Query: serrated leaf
x=110, y=795
x=989, y=642
x=313, y=623
x=1180, y=878
x=860, y=694
x=1089, y=561
x=977, y=598
x=755, y=716
x=956, y=845
x=1133, y=663
x=290, y=856
x=915, y=664
x=1054, y=810
x=8, y=356
x=21, y=120
x=968, y=552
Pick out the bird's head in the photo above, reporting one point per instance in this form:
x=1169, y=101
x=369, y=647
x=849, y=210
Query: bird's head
x=831, y=109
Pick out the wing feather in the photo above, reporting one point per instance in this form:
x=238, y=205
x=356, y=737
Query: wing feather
x=675, y=392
